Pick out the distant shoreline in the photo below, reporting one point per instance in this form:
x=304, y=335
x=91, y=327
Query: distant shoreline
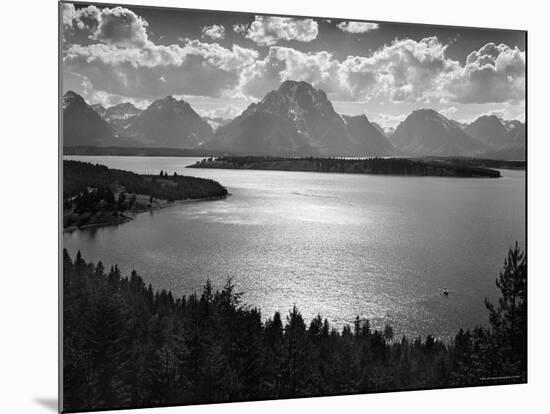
x=199, y=153
x=137, y=152
x=370, y=166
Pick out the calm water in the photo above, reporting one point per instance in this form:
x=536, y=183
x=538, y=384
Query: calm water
x=340, y=245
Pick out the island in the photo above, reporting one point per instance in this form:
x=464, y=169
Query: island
x=383, y=166
x=95, y=195
x=482, y=162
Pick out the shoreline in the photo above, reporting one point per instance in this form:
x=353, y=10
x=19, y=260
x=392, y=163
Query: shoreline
x=341, y=172
x=402, y=167
x=125, y=219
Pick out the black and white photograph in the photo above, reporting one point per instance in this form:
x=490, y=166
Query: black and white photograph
x=262, y=207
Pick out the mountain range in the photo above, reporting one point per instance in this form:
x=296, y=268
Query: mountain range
x=427, y=132
x=504, y=139
x=81, y=124
x=169, y=123
x=298, y=119
x=118, y=116
x=294, y=120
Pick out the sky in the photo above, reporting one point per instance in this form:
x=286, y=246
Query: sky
x=221, y=62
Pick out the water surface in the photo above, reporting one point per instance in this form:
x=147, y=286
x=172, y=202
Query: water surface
x=342, y=245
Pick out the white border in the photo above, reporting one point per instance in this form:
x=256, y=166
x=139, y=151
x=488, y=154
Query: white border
x=28, y=365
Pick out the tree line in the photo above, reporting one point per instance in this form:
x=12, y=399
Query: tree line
x=97, y=195
x=78, y=177
x=127, y=345
x=376, y=165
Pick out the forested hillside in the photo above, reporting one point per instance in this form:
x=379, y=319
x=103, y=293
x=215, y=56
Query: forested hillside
x=126, y=345
x=94, y=195
x=78, y=176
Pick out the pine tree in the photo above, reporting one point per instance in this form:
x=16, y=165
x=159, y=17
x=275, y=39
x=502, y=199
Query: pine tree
x=508, y=320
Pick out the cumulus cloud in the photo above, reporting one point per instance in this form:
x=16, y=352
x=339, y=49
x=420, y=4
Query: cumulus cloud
x=405, y=70
x=282, y=63
x=195, y=67
x=121, y=26
x=240, y=28
x=494, y=73
x=268, y=30
x=357, y=27
x=122, y=39
x=215, y=31
x=117, y=25
x=125, y=62
x=152, y=55
x=84, y=18
x=69, y=14
x=119, y=58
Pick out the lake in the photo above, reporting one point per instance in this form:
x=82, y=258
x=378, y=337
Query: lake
x=339, y=245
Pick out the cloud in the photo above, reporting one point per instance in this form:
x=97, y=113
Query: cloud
x=124, y=61
x=405, y=70
x=494, y=73
x=116, y=55
x=282, y=63
x=121, y=26
x=506, y=111
x=448, y=111
x=240, y=28
x=83, y=18
x=152, y=55
x=69, y=14
x=107, y=99
x=224, y=112
x=357, y=27
x=387, y=121
x=94, y=96
x=267, y=31
x=155, y=70
x=215, y=31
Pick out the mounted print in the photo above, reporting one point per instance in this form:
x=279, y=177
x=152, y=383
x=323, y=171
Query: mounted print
x=261, y=207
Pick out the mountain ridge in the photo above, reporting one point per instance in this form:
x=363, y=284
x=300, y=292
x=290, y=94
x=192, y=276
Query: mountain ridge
x=171, y=123
x=81, y=124
x=298, y=120
x=294, y=120
x=427, y=132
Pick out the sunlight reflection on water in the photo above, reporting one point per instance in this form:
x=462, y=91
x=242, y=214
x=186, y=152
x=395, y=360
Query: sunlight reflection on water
x=341, y=245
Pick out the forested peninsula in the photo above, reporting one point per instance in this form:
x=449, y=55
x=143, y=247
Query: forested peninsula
x=94, y=195
x=126, y=345
x=382, y=166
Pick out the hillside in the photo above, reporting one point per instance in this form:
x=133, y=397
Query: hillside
x=97, y=195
